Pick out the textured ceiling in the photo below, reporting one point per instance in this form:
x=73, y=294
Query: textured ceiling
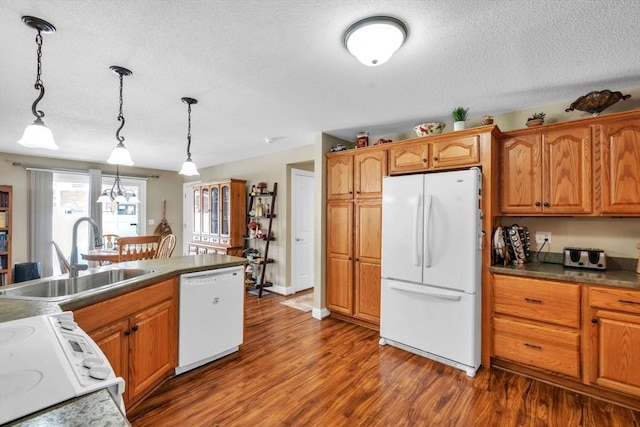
x=277, y=69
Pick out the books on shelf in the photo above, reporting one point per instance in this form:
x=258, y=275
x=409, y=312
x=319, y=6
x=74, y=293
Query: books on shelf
x=3, y=219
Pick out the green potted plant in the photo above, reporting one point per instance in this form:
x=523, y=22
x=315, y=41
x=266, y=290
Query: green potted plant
x=459, y=115
x=536, y=119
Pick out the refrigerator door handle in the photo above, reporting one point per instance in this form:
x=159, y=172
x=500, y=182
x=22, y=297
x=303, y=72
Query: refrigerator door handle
x=427, y=228
x=413, y=289
x=416, y=239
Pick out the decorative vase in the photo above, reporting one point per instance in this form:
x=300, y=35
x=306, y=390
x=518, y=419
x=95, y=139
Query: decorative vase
x=458, y=125
x=534, y=122
x=488, y=120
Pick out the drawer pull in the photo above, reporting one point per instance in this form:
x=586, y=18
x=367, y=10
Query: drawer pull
x=533, y=301
x=626, y=301
x=594, y=320
x=535, y=347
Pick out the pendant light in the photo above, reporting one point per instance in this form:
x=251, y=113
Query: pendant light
x=118, y=193
x=188, y=167
x=120, y=155
x=37, y=135
x=375, y=39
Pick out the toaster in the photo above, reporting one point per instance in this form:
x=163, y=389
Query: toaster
x=585, y=258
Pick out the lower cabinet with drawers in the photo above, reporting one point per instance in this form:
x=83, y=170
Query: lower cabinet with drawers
x=579, y=336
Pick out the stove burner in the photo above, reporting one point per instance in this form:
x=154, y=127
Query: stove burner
x=15, y=334
x=19, y=382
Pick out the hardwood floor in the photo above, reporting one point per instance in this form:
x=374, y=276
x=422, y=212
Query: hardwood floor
x=294, y=370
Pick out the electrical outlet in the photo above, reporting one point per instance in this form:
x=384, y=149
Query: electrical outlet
x=541, y=236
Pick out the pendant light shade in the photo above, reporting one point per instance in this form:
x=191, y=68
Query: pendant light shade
x=120, y=155
x=374, y=40
x=188, y=167
x=37, y=135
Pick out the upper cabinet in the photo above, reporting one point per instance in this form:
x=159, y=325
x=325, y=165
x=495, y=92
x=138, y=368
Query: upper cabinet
x=419, y=156
x=620, y=166
x=547, y=172
x=585, y=167
x=356, y=176
x=340, y=177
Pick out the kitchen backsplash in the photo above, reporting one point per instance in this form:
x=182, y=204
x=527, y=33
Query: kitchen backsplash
x=618, y=237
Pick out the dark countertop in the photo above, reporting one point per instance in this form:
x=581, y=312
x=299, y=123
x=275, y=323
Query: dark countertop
x=99, y=406
x=165, y=268
x=618, y=278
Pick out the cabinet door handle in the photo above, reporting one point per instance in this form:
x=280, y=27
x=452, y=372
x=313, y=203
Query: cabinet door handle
x=435, y=159
x=135, y=328
x=127, y=332
x=594, y=320
x=533, y=301
x=545, y=204
x=350, y=192
x=626, y=301
x=533, y=346
x=357, y=192
x=424, y=160
x=537, y=204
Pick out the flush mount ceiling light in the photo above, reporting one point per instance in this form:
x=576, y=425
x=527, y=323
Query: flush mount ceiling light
x=37, y=135
x=374, y=40
x=118, y=193
x=188, y=167
x=120, y=155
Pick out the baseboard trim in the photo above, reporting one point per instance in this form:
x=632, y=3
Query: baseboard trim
x=320, y=313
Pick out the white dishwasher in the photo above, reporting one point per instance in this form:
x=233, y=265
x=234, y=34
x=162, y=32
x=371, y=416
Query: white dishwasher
x=211, y=316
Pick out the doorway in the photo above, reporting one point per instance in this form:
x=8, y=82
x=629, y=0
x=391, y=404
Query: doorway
x=302, y=229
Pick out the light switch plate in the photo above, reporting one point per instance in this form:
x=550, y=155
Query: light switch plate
x=152, y=221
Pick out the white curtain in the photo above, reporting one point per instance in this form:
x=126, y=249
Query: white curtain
x=40, y=220
x=95, y=189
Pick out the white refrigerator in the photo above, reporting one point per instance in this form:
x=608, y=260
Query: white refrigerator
x=431, y=257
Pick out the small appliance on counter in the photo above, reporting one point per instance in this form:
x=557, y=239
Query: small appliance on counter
x=511, y=244
x=585, y=258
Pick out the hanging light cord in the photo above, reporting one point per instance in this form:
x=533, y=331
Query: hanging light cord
x=39, y=85
x=189, y=134
x=120, y=116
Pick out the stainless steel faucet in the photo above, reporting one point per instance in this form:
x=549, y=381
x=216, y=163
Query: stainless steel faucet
x=74, y=266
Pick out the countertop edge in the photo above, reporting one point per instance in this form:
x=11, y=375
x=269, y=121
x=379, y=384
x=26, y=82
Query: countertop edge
x=615, y=278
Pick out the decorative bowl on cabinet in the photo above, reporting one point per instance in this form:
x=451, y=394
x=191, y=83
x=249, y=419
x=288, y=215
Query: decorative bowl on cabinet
x=596, y=102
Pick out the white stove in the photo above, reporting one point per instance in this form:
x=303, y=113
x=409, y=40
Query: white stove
x=45, y=360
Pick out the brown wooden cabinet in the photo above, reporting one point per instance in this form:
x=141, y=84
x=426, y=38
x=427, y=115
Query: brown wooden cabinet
x=354, y=212
x=547, y=172
x=426, y=154
x=138, y=332
x=340, y=257
x=219, y=209
x=536, y=323
x=368, y=255
x=340, y=176
x=6, y=234
x=356, y=176
x=613, y=328
x=619, y=143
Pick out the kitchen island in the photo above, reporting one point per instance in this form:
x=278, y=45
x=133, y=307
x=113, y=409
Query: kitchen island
x=73, y=412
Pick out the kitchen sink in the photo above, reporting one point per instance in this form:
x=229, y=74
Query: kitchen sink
x=57, y=288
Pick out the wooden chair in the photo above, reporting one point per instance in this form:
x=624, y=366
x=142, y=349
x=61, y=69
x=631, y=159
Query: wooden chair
x=166, y=247
x=62, y=260
x=110, y=241
x=138, y=247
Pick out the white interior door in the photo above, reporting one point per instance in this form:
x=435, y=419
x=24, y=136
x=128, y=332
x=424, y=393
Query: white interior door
x=302, y=214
